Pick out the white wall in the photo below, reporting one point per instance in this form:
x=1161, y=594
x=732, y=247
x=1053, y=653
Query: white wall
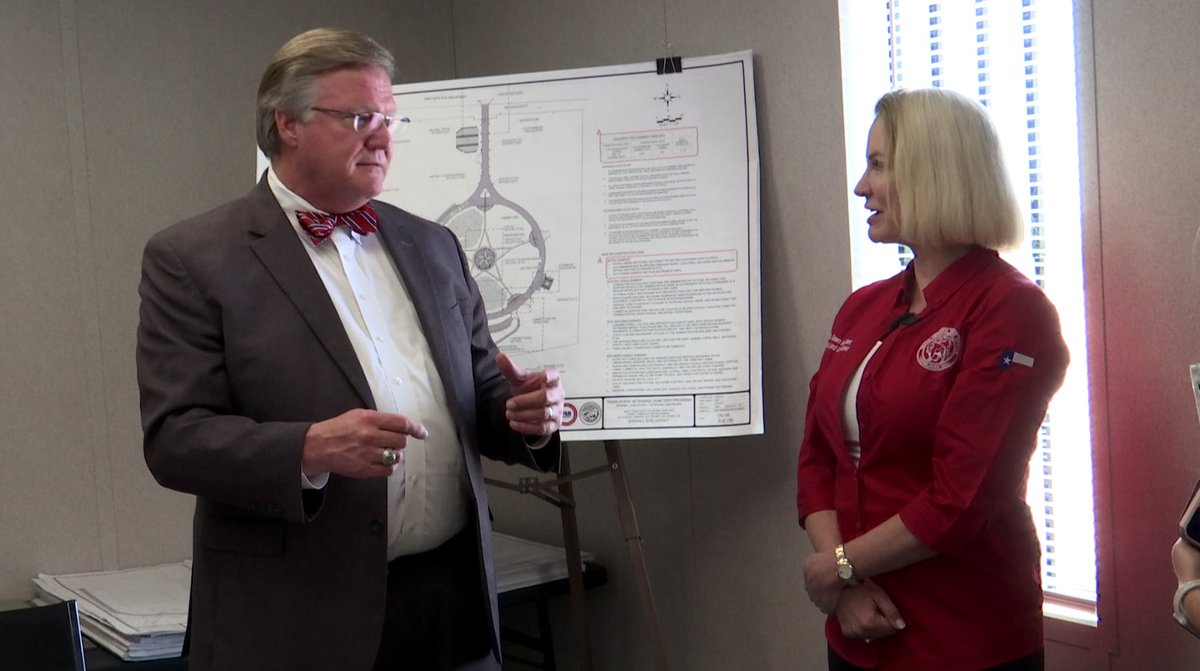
x=1147, y=134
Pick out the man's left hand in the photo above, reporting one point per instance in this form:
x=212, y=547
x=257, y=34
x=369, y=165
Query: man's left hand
x=535, y=408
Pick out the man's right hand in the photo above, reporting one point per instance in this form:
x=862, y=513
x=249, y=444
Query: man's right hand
x=353, y=444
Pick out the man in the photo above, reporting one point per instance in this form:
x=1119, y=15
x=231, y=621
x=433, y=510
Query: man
x=326, y=386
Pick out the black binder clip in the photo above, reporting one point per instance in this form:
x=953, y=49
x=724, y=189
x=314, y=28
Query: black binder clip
x=669, y=65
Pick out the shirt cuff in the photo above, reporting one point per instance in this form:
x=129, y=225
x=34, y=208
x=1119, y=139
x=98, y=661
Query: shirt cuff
x=315, y=482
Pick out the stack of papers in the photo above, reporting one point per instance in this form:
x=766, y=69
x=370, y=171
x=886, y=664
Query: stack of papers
x=521, y=563
x=141, y=613
x=137, y=614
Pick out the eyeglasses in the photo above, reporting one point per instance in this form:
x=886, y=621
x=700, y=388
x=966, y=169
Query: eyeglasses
x=368, y=122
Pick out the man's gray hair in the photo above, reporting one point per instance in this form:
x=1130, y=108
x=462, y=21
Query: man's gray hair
x=287, y=84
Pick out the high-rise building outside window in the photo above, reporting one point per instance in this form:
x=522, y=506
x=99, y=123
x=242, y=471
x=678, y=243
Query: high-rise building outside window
x=1030, y=75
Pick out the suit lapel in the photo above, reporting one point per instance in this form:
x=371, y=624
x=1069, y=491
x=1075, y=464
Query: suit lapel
x=430, y=306
x=422, y=290
x=276, y=244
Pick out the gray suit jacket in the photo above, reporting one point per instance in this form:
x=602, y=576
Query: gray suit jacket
x=239, y=350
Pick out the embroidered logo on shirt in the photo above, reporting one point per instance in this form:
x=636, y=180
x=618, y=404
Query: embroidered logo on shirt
x=836, y=344
x=941, y=350
x=1010, y=357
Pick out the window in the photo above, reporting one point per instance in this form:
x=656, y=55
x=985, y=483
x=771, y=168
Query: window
x=1045, y=164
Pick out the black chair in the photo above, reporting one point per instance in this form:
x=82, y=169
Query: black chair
x=42, y=638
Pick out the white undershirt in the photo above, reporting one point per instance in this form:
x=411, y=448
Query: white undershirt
x=428, y=493
x=850, y=408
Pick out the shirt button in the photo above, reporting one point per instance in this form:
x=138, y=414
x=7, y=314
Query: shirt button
x=375, y=527
x=397, y=380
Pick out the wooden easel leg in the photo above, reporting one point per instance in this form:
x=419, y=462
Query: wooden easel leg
x=570, y=525
x=633, y=539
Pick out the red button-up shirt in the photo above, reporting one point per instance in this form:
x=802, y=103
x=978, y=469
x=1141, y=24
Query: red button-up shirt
x=949, y=411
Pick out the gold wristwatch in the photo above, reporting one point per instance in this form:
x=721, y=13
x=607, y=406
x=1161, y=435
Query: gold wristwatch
x=845, y=570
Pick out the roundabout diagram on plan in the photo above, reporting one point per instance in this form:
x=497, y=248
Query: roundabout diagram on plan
x=503, y=242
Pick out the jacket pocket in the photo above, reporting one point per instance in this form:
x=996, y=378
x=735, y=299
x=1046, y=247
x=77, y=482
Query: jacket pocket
x=242, y=536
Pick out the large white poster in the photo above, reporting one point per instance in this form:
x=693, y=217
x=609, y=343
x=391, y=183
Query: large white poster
x=611, y=219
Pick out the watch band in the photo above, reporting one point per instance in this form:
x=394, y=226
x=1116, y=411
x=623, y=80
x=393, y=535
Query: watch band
x=845, y=569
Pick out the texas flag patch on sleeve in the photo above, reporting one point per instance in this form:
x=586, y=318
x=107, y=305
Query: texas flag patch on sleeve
x=1013, y=357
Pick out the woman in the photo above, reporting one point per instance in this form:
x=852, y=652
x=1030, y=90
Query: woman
x=925, y=411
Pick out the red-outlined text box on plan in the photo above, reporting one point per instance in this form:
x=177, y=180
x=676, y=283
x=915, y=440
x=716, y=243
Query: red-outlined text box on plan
x=675, y=264
x=652, y=144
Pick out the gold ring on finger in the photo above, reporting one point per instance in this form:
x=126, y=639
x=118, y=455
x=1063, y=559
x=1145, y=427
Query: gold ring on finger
x=390, y=457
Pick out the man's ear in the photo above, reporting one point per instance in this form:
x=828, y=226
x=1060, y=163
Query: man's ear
x=286, y=127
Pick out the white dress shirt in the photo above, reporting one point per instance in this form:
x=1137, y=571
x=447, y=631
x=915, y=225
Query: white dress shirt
x=429, y=492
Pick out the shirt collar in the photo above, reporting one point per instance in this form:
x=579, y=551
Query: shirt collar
x=949, y=280
x=289, y=201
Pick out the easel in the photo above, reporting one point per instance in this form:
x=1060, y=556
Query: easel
x=560, y=493
x=564, y=498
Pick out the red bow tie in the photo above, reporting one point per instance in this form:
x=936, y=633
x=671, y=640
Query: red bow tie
x=319, y=225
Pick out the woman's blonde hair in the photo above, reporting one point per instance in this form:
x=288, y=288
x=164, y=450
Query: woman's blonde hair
x=949, y=169
x=288, y=82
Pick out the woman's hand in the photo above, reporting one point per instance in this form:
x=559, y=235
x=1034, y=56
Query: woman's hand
x=1186, y=560
x=821, y=581
x=865, y=612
